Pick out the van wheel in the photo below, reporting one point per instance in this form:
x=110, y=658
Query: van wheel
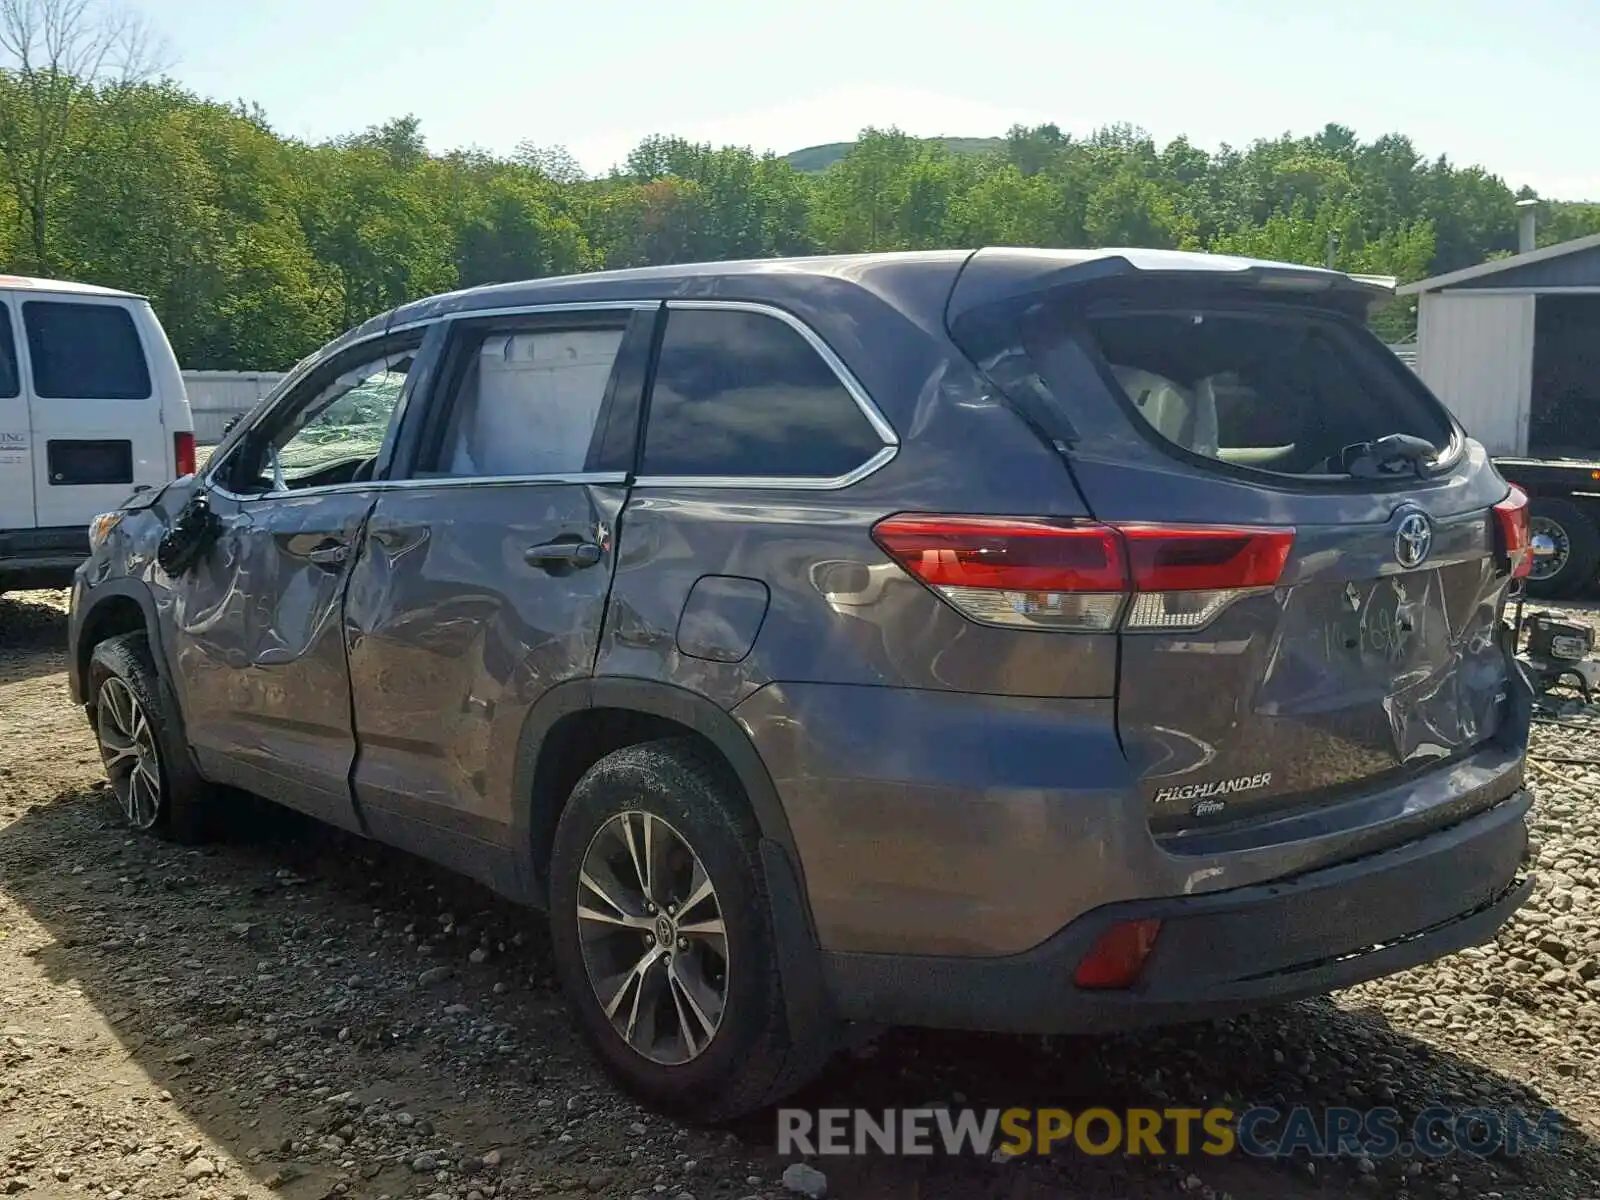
x=147, y=762
x=1577, y=549
x=663, y=939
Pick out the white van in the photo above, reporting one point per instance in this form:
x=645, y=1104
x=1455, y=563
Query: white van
x=92, y=409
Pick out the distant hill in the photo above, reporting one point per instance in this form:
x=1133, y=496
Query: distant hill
x=820, y=158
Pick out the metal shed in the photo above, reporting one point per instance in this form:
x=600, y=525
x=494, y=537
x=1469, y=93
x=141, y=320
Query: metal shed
x=217, y=397
x=1513, y=347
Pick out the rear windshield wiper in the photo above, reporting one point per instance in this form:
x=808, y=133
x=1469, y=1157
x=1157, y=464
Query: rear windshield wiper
x=1397, y=454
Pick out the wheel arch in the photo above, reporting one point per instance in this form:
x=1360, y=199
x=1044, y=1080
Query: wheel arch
x=576, y=722
x=117, y=607
x=542, y=782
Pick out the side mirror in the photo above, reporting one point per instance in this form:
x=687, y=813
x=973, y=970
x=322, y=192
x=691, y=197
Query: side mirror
x=232, y=421
x=191, y=536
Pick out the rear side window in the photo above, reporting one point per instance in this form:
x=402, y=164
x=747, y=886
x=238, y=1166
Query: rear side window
x=744, y=394
x=85, y=352
x=10, y=380
x=1286, y=391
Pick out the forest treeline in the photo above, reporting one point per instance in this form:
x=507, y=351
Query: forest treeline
x=257, y=248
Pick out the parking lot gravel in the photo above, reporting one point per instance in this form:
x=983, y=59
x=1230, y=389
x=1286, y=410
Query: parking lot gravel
x=293, y=1012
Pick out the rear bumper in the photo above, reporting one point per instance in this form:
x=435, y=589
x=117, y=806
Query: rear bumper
x=947, y=824
x=1223, y=952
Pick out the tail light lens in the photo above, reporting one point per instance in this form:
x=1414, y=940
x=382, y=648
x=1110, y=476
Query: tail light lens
x=1084, y=576
x=1516, y=533
x=1117, y=958
x=183, y=453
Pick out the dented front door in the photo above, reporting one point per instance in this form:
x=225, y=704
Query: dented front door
x=260, y=649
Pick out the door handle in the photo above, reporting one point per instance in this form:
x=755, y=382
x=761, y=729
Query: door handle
x=562, y=554
x=329, y=556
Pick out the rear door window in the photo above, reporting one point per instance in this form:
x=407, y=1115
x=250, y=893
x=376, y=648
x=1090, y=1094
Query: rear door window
x=1290, y=392
x=10, y=377
x=85, y=351
x=744, y=394
x=525, y=401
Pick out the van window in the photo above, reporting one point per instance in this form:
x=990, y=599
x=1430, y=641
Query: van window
x=85, y=351
x=744, y=394
x=10, y=383
x=1282, y=391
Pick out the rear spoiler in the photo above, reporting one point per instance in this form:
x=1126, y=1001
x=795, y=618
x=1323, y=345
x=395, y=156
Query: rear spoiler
x=1386, y=283
x=1007, y=281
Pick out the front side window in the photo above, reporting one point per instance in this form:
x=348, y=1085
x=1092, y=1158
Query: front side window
x=745, y=394
x=10, y=378
x=327, y=431
x=85, y=351
x=525, y=401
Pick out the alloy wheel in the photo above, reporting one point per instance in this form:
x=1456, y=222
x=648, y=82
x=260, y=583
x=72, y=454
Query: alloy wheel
x=654, y=942
x=128, y=745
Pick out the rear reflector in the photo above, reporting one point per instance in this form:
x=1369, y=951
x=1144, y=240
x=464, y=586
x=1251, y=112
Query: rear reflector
x=1117, y=958
x=183, y=453
x=1079, y=575
x=1516, y=533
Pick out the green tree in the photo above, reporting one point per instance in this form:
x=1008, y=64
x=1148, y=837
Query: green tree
x=54, y=57
x=256, y=248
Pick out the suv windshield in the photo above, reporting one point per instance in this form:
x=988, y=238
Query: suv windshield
x=1290, y=392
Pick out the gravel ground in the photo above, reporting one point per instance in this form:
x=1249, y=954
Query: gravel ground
x=291, y=1012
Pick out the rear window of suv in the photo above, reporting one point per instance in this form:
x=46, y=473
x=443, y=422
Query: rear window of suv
x=85, y=351
x=1283, y=391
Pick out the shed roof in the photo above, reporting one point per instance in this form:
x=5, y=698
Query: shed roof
x=1496, y=266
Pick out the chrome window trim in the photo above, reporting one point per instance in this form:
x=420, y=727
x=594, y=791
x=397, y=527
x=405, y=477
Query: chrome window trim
x=852, y=386
x=488, y=480
x=847, y=380
x=781, y=482
x=531, y=310
x=451, y=481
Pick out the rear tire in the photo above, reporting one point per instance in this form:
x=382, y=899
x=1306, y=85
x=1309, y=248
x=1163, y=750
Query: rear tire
x=1578, y=544
x=700, y=1030
x=152, y=777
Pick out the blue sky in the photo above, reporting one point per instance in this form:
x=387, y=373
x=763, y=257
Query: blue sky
x=1513, y=86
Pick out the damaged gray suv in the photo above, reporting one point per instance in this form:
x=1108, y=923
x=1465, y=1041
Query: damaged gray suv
x=1014, y=640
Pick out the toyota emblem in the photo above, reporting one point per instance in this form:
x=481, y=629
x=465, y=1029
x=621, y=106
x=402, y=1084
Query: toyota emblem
x=1413, y=539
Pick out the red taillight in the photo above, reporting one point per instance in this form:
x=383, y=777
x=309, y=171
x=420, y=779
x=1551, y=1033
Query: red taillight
x=1000, y=552
x=1118, y=955
x=1176, y=559
x=1078, y=574
x=183, y=453
x=1516, y=534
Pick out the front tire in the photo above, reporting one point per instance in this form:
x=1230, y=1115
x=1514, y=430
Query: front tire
x=141, y=742
x=662, y=933
x=1577, y=557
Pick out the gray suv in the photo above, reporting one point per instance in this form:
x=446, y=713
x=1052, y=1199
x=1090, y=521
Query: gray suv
x=1017, y=640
